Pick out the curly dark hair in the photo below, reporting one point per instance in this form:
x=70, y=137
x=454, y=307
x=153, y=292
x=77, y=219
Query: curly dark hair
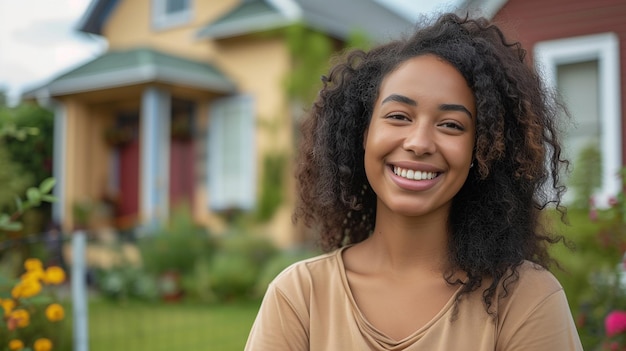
x=494, y=221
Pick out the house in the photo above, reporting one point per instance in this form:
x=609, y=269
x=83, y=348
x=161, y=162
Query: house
x=580, y=47
x=187, y=105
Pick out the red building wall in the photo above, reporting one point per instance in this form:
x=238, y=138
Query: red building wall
x=532, y=21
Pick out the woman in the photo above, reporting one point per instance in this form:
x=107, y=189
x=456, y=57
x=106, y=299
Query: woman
x=425, y=164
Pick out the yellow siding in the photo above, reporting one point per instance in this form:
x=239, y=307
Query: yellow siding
x=130, y=26
x=87, y=158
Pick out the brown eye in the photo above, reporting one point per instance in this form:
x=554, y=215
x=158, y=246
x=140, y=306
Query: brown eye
x=398, y=117
x=452, y=125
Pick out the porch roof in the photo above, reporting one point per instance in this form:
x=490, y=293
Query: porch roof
x=136, y=66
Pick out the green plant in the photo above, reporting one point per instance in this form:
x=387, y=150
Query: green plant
x=601, y=289
x=586, y=176
x=34, y=197
x=27, y=131
x=236, y=266
x=272, y=186
x=172, y=253
x=126, y=282
x=176, y=246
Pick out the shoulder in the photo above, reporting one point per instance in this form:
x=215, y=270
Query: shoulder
x=536, y=290
x=534, y=282
x=533, y=312
x=302, y=275
x=529, y=285
x=532, y=273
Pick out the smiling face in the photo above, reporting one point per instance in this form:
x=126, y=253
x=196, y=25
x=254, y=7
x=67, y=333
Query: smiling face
x=418, y=145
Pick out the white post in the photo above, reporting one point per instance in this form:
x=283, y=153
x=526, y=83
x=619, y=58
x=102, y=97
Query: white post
x=79, y=291
x=155, y=156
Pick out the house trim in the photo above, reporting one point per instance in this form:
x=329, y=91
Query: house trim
x=59, y=147
x=132, y=76
x=604, y=48
x=154, y=156
x=244, y=26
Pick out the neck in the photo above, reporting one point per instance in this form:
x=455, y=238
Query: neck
x=401, y=243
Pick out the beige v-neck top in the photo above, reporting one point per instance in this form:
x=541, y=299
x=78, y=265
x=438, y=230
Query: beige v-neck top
x=309, y=306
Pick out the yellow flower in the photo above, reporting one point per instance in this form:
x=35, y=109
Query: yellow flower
x=20, y=317
x=35, y=274
x=43, y=344
x=54, y=275
x=7, y=305
x=55, y=312
x=33, y=264
x=16, y=345
x=26, y=288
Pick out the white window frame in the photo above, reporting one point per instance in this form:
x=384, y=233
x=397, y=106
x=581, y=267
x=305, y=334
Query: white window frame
x=221, y=197
x=163, y=20
x=605, y=49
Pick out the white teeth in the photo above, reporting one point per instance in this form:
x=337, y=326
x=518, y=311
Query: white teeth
x=413, y=175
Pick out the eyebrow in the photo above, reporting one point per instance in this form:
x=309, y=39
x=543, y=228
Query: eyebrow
x=443, y=107
x=455, y=107
x=401, y=99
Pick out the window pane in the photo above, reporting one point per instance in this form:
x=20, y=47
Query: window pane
x=232, y=159
x=173, y=6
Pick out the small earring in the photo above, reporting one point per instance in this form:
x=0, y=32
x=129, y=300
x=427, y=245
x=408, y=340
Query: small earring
x=472, y=164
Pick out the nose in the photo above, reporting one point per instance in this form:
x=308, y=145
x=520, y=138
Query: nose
x=420, y=139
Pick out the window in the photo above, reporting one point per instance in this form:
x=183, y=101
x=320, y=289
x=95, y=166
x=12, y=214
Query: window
x=231, y=152
x=574, y=66
x=170, y=13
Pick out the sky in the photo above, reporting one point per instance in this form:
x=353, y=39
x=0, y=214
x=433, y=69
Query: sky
x=39, y=40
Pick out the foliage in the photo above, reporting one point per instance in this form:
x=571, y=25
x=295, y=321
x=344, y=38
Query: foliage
x=311, y=52
x=34, y=197
x=25, y=155
x=28, y=134
x=177, y=246
x=596, y=283
x=586, y=176
x=33, y=318
x=11, y=185
x=272, y=186
x=127, y=282
x=237, y=264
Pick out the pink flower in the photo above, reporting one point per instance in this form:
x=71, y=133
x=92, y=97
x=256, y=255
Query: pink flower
x=612, y=201
x=593, y=215
x=615, y=323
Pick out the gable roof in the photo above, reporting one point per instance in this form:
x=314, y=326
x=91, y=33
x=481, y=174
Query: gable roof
x=486, y=8
x=136, y=66
x=338, y=18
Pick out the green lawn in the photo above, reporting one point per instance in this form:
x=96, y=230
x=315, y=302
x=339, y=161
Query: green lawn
x=169, y=326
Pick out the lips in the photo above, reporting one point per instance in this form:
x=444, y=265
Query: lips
x=414, y=177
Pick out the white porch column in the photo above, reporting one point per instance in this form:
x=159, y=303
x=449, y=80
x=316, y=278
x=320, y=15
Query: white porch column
x=58, y=165
x=155, y=156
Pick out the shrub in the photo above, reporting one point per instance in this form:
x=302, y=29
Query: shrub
x=238, y=263
x=177, y=246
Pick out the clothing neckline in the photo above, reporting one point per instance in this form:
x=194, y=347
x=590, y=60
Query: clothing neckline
x=382, y=338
